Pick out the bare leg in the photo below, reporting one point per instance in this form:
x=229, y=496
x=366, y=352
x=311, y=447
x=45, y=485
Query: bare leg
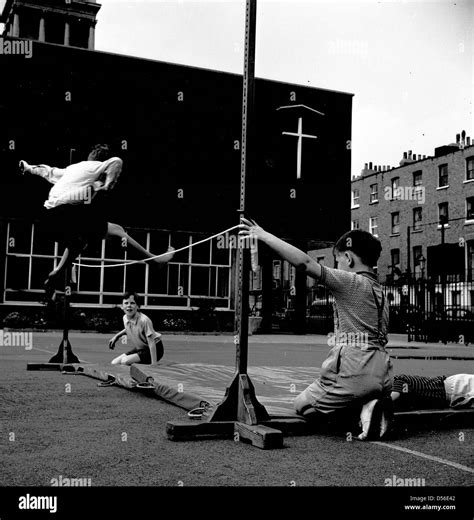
x=130, y=359
x=70, y=254
x=118, y=359
x=114, y=230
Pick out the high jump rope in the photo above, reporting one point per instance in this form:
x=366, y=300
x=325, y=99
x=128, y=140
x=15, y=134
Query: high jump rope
x=253, y=252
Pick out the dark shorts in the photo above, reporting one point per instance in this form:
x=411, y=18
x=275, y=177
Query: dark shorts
x=144, y=354
x=69, y=224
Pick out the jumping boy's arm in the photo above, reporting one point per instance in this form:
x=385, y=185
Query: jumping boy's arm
x=112, y=169
x=290, y=253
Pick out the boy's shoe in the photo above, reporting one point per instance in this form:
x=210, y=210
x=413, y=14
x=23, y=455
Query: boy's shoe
x=370, y=419
x=24, y=167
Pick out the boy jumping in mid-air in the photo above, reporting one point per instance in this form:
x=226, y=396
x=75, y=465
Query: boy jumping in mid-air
x=74, y=214
x=355, y=374
x=147, y=345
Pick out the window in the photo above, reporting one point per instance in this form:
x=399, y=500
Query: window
x=396, y=223
x=417, y=178
x=443, y=213
x=395, y=254
x=417, y=218
x=442, y=175
x=417, y=254
x=374, y=193
x=455, y=298
x=355, y=224
x=193, y=274
x=373, y=227
x=355, y=198
x=395, y=183
x=470, y=208
x=469, y=168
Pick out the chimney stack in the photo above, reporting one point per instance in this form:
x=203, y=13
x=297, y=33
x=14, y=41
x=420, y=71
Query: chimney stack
x=458, y=138
x=404, y=155
x=409, y=154
x=468, y=141
x=463, y=136
x=370, y=165
x=366, y=166
x=414, y=156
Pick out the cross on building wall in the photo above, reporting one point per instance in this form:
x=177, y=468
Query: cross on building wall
x=299, y=150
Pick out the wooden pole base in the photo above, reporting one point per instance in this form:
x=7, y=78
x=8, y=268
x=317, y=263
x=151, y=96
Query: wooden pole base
x=267, y=435
x=258, y=435
x=65, y=354
x=240, y=403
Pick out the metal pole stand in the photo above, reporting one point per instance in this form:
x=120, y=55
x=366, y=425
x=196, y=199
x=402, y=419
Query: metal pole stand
x=240, y=415
x=65, y=355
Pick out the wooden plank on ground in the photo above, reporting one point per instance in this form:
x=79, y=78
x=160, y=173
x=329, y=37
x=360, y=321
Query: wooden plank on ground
x=258, y=435
x=186, y=430
x=290, y=426
x=48, y=366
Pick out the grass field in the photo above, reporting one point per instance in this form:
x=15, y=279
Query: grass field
x=116, y=437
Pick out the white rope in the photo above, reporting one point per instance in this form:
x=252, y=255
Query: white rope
x=163, y=254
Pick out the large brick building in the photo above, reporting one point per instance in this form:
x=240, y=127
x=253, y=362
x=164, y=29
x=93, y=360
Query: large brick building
x=405, y=206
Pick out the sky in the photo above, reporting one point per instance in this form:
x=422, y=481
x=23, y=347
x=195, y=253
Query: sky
x=409, y=64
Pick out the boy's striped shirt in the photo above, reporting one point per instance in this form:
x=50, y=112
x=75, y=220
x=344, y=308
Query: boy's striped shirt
x=420, y=391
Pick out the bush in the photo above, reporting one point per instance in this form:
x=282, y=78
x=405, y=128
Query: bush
x=99, y=323
x=175, y=324
x=16, y=320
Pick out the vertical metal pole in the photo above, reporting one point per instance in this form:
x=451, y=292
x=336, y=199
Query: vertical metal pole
x=243, y=259
x=67, y=279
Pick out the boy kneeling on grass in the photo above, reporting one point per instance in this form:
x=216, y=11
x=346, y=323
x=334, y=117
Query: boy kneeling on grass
x=147, y=345
x=354, y=376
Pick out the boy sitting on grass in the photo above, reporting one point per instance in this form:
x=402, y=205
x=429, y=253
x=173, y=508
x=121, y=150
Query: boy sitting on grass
x=353, y=375
x=147, y=345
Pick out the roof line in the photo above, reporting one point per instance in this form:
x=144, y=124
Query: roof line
x=185, y=65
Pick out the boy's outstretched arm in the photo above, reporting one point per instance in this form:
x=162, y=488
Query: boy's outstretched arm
x=290, y=253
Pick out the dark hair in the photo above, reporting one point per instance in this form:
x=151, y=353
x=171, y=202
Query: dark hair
x=137, y=297
x=100, y=152
x=361, y=243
